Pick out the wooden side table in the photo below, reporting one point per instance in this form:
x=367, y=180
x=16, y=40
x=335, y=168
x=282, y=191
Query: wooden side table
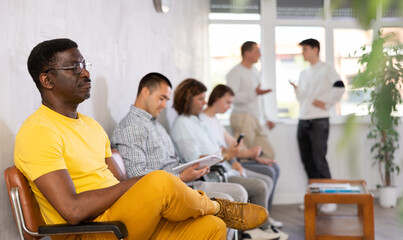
x=332, y=226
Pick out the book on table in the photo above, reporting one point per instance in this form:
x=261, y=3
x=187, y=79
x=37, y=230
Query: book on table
x=206, y=161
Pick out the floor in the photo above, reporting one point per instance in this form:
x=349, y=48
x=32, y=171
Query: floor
x=387, y=225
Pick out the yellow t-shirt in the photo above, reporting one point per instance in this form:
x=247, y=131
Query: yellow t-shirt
x=49, y=141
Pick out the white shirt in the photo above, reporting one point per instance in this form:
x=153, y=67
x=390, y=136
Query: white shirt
x=316, y=82
x=244, y=81
x=215, y=128
x=192, y=138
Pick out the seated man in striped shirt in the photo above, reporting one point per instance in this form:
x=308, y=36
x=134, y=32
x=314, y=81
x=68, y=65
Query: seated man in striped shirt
x=145, y=146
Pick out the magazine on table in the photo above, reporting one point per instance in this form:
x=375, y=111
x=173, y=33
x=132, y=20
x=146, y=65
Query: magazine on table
x=333, y=188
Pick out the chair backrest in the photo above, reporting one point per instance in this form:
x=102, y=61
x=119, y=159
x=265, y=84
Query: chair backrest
x=119, y=161
x=30, y=208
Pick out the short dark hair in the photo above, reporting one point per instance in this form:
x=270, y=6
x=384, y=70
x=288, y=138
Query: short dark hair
x=152, y=81
x=313, y=43
x=247, y=46
x=43, y=56
x=218, y=92
x=184, y=94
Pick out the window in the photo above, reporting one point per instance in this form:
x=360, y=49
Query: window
x=394, y=10
x=279, y=25
x=232, y=23
x=398, y=32
x=225, y=47
x=289, y=63
x=234, y=10
x=231, y=6
x=347, y=43
x=297, y=9
x=225, y=51
x=342, y=9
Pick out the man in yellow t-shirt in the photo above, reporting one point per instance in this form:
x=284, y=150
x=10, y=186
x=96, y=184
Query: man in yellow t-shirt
x=67, y=160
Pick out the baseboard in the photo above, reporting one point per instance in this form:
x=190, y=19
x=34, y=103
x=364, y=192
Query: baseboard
x=296, y=198
x=291, y=198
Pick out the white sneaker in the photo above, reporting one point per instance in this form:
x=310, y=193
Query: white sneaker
x=301, y=207
x=328, y=207
x=275, y=223
x=283, y=235
x=259, y=234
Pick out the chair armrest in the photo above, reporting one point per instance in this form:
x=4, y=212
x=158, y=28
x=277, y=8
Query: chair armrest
x=221, y=171
x=218, y=168
x=118, y=228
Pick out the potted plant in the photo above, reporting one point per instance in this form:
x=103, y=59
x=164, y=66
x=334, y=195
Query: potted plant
x=381, y=75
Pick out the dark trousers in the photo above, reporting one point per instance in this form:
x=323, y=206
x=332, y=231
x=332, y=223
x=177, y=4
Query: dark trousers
x=312, y=141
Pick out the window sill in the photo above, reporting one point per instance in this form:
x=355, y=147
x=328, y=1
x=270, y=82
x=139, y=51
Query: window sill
x=334, y=120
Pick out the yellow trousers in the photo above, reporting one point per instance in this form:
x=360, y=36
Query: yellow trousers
x=161, y=206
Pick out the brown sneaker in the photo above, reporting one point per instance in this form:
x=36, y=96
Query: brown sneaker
x=239, y=215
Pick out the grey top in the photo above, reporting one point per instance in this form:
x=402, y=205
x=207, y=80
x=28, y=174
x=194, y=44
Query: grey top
x=244, y=81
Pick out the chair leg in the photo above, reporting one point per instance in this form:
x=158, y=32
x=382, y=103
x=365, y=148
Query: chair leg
x=18, y=217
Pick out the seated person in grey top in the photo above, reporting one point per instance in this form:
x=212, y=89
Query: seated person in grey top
x=145, y=146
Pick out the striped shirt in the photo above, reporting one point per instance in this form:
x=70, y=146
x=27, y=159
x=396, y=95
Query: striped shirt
x=144, y=144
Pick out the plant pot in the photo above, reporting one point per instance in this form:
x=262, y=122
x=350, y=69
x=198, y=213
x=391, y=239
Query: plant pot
x=387, y=197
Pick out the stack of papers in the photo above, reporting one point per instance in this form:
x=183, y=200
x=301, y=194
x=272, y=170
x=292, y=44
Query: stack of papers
x=333, y=188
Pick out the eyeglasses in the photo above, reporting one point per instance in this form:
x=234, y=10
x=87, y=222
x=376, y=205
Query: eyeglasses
x=77, y=68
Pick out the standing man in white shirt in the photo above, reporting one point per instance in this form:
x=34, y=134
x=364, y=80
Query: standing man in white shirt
x=319, y=88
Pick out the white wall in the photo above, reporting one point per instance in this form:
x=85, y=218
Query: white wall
x=352, y=162
x=124, y=39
